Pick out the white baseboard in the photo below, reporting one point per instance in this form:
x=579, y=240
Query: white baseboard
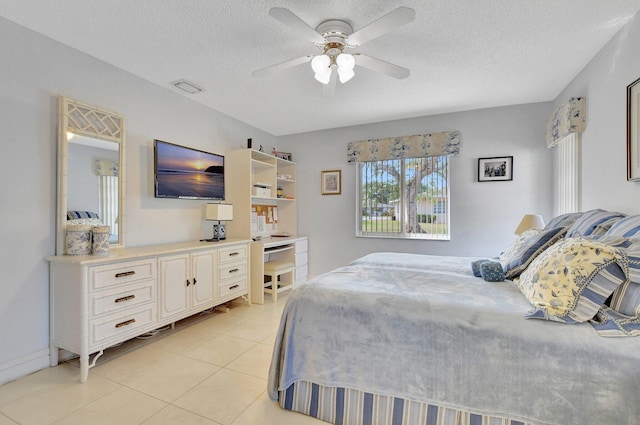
x=23, y=366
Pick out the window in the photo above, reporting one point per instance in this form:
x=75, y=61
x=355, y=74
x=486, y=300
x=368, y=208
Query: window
x=109, y=202
x=567, y=162
x=404, y=198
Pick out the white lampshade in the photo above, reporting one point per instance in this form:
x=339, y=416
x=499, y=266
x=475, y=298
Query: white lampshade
x=530, y=221
x=219, y=212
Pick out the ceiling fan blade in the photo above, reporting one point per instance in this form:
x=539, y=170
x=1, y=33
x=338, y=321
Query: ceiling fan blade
x=381, y=66
x=269, y=70
x=330, y=89
x=389, y=22
x=292, y=20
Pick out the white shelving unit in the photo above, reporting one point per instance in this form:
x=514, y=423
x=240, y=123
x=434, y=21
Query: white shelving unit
x=245, y=169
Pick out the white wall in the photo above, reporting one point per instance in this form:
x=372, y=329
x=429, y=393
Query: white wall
x=483, y=215
x=35, y=71
x=603, y=82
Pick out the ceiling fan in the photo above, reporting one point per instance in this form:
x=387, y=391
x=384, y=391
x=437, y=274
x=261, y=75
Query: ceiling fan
x=334, y=36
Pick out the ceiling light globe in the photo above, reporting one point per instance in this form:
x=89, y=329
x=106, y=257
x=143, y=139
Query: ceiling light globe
x=345, y=74
x=323, y=77
x=345, y=61
x=320, y=63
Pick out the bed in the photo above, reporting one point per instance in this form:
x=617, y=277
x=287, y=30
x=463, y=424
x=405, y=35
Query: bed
x=398, y=338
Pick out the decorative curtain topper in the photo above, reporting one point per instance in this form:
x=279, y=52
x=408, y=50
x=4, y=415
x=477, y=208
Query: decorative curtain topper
x=105, y=168
x=569, y=118
x=418, y=146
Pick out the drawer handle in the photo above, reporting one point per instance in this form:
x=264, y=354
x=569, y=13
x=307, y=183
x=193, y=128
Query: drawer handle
x=125, y=323
x=123, y=299
x=234, y=287
x=234, y=270
x=233, y=254
x=125, y=274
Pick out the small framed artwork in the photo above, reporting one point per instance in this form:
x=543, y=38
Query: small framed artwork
x=332, y=182
x=633, y=135
x=499, y=168
x=284, y=155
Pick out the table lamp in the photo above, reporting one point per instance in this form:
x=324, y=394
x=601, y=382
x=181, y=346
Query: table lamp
x=219, y=213
x=530, y=221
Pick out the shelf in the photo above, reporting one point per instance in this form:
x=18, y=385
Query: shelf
x=281, y=180
x=263, y=198
x=261, y=164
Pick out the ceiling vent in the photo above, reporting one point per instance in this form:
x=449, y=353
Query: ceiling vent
x=185, y=85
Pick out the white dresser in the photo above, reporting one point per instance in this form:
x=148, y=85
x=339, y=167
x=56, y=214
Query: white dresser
x=100, y=301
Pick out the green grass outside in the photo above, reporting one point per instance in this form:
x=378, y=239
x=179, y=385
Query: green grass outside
x=385, y=224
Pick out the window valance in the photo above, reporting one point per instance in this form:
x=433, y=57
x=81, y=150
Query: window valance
x=106, y=168
x=569, y=118
x=418, y=146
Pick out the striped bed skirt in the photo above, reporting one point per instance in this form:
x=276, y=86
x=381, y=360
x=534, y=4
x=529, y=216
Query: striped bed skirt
x=343, y=406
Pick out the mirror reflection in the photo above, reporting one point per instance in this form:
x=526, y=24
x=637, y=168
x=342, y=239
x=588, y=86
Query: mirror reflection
x=92, y=183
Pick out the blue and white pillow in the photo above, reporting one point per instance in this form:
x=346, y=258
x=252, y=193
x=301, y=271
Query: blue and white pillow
x=74, y=215
x=563, y=220
x=526, y=248
x=593, y=223
x=626, y=227
x=491, y=271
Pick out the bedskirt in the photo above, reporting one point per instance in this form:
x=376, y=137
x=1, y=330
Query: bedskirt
x=343, y=406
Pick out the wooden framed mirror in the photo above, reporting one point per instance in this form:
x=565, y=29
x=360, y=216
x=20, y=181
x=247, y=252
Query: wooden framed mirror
x=91, y=180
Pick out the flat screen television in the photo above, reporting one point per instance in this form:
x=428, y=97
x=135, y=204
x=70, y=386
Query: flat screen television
x=187, y=173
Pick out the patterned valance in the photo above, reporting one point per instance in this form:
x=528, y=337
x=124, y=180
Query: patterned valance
x=568, y=118
x=105, y=168
x=418, y=146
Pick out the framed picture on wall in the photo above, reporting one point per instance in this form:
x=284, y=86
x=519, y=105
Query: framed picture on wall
x=332, y=182
x=633, y=137
x=498, y=168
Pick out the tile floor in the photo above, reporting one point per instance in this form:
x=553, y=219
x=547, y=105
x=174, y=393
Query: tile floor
x=211, y=372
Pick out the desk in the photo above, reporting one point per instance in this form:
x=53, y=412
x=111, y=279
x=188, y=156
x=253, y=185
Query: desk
x=292, y=249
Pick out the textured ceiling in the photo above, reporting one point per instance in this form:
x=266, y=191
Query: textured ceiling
x=462, y=54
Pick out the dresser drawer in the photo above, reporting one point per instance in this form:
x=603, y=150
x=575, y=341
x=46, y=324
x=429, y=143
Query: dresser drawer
x=119, y=299
x=302, y=246
x=233, y=288
x=122, y=325
x=119, y=273
x=230, y=271
x=231, y=254
x=301, y=259
x=302, y=274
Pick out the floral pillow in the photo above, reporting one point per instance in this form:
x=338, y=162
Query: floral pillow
x=572, y=280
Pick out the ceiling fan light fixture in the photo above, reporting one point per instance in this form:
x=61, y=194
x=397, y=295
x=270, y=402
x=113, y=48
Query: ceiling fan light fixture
x=345, y=74
x=323, y=77
x=320, y=64
x=345, y=61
